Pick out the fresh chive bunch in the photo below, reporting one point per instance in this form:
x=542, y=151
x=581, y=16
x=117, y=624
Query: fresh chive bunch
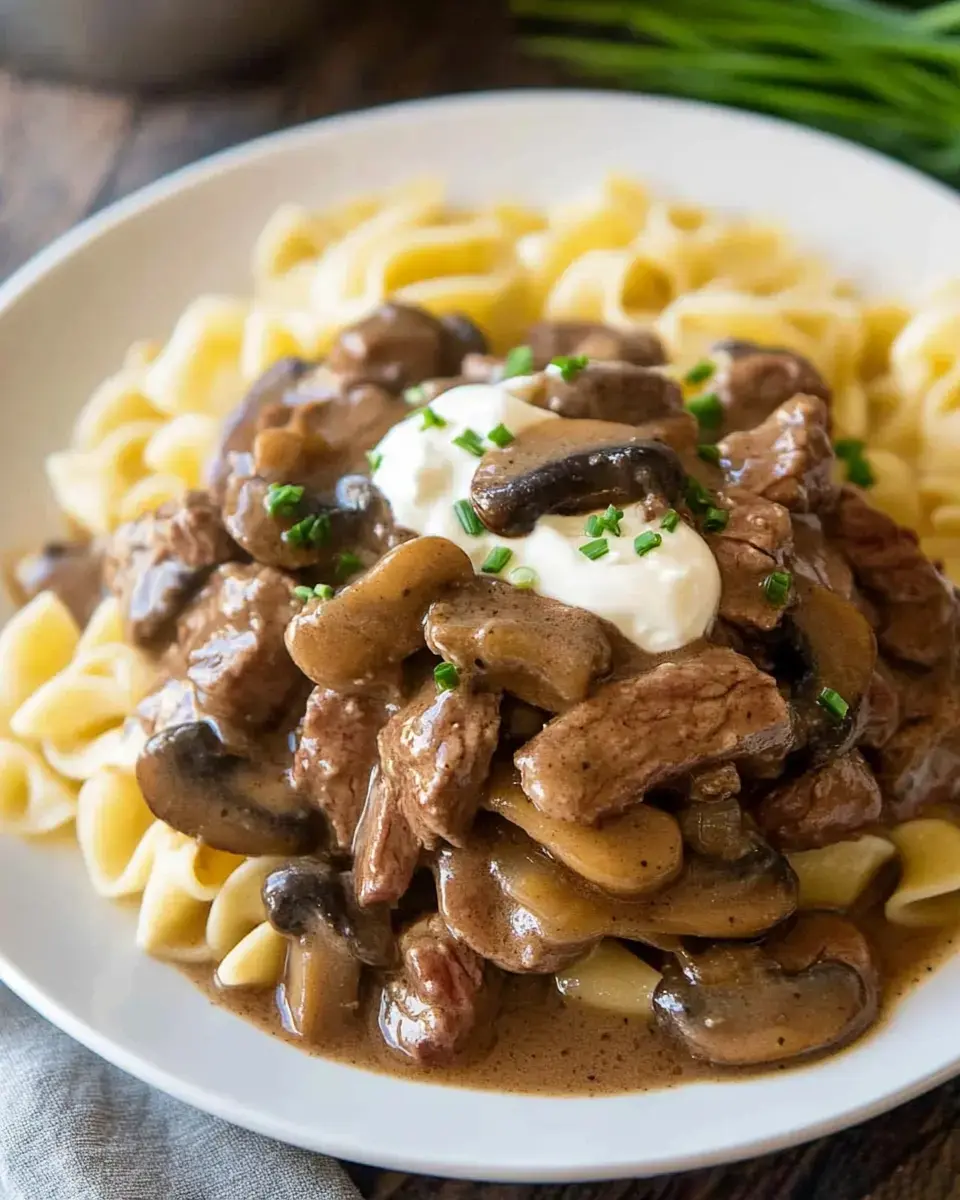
x=879, y=73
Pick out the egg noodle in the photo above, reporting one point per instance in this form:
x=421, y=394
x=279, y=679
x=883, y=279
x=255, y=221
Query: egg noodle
x=618, y=255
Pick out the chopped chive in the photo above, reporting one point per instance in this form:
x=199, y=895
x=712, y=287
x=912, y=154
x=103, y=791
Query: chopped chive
x=848, y=448
x=594, y=550
x=432, y=420
x=415, y=395
x=523, y=578
x=670, y=520
x=715, y=520
x=708, y=453
x=519, y=361
x=471, y=441
x=496, y=560
x=501, y=436
x=570, y=365
x=303, y=593
x=860, y=472
x=645, y=542
x=283, y=499
x=707, y=409
x=594, y=526
x=446, y=677
x=700, y=372
x=469, y=521
x=776, y=587
x=833, y=703
x=698, y=498
x=374, y=460
x=611, y=519
x=347, y=564
x=311, y=531
x=323, y=591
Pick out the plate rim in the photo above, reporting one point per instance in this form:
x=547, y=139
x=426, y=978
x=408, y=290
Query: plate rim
x=101, y=223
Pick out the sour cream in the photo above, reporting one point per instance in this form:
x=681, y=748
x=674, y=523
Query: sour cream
x=661, y=600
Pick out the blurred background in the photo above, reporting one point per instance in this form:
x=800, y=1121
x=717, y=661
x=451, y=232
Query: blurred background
x=100, y=96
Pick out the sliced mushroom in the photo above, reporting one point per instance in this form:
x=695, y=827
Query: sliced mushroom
x=544, y=652
x=631, y=855
x=193, y=782
x=612, y=391
x=379, y=619
x=568, y=467
x=812, y=989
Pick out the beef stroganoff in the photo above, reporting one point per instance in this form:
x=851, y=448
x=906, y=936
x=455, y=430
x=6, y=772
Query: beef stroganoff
x=506, y=617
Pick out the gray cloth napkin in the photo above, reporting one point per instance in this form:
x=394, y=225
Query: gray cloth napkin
x=72, y=1127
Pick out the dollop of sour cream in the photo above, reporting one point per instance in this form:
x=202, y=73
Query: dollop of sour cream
x=660, y=600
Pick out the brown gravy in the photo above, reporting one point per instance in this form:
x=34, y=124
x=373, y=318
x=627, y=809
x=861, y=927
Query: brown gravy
x=550, y=1046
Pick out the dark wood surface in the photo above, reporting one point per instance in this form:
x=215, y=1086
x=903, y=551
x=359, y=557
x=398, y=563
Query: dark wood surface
x=66, y=151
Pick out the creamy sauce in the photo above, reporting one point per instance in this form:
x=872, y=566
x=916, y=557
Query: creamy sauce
x=543, y=1043
x=660, y=601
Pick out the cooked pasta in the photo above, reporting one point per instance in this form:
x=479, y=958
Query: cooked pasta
x=929, y=888
x=249, y=951
x=836, y=876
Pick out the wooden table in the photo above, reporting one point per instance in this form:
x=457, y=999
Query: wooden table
x=66, y=151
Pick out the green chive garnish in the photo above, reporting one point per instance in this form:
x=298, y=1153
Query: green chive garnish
x=323, y=591
x=707, y=409
x=519, y=361
x=501, y=436
x=776, y=587
x=715, y=520
x=570, y=365
x=611, y=519
x=446, y=677
x=374, y=460
x=594, y=550
x=833, y=703
x=849, y=448
x=496, y=560
x=347, y=564
x=670, y=520
x=311, y=531
x=700, y=372
x=709, y=453
x=860, y=472
x=523, y=578
x=469, y=521
x=645, y=542
x=432, y=420
x=696, y=495
x=594, y=526
x=471, y=441
x=283, y=499
x=414, y=396
x=303, y=593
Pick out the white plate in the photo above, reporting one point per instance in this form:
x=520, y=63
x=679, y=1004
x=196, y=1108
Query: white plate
x=64, y=322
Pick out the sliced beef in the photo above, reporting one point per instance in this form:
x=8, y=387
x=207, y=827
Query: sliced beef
x=751, y=381
x=231, y=642
x=821, y=806
x=73, y=571
x=916, y=606
x=882, y=704
x=156, y=563
x=336, y=754
x=612, y=391
x=637, y=734
x=398, y=345
x=540, y=650
x=920, y=764
x=554, y=339
x=429, y=1010
x=385, y=849
x=757, y=540
x=788, y=458
x=816, y=559
x=435, y=753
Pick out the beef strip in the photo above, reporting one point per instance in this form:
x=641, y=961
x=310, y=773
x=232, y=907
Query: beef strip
x=636, y=734
x=429, y=1010
x=73, y=571
x=611, y=391
x=336, y=754
x=436, y=754
x=385, y=848
x=788, y=458
x=231, y=642
x=757, y=540
x=156, y=563
x=751, y=381
x=553, y=339
x=540, y=650
x=821, y=806
x=818, y=560
x=916, y=606
x=882, y=704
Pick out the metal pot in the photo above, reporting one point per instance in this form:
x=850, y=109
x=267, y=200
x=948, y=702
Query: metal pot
x=146, y=42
